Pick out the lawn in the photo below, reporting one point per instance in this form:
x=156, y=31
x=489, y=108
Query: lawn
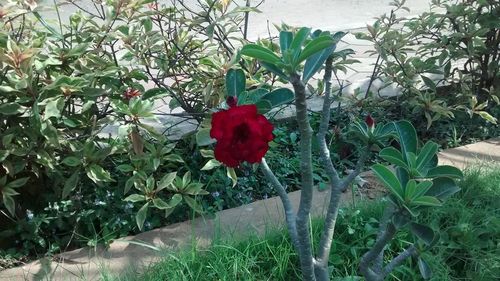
x=468, y=249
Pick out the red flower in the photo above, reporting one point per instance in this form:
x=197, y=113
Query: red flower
x=370, y=121
x=242, y=135
x=131, y=93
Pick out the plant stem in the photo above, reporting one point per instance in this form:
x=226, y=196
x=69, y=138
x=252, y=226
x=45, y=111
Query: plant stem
x=302, y=220
x=374, y=252
x=285, y=200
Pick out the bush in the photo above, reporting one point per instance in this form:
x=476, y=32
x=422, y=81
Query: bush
x=445, y=60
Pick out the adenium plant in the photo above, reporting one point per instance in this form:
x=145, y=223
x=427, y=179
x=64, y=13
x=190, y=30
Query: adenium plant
x=242, y=133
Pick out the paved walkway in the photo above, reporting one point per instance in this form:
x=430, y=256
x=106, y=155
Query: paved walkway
x=257, y=217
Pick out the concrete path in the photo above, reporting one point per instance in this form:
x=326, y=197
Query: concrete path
x=257, y=217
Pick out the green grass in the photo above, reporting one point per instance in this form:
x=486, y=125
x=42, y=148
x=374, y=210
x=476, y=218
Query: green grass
x=470, y=247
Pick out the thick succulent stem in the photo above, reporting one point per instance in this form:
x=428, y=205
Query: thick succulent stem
x=285, y=200
x=365, y=266
x=306, y=195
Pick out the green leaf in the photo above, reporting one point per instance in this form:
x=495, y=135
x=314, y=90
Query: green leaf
x=212, y=163
x=18, y=183
x=314, y=47
x=421, y=189
x=390, y=180
x=315, y=62
x=393, y=156
x=9, y=203
x=186, y=179
x=193, y=204
x=203, y=137
x=154, y=93
x=166, y=180
x=71, y=161
x=260, y=53
x=53, y=108
x=135, y=198
x=426, y=154
x=443, y=188
x=286, y=38
x=279, y=96
x=407, y=137
x=232, y=175
x=141, y=215
x=423, y=232
x=11, y=108
x=175, y=200
x=410, y=190
x=125, y=168
x=160, y=204
x=235, y=82
x=97, y=174
x=424, y=268
x=428, y=201
x=445, y=171
x=263, y=106
x=3, y=155
x=70, y=184
x=275, y=70
x=429, y=83
x=297, y=42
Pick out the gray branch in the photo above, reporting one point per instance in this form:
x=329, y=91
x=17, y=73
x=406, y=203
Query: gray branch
x=397, y=261
x=287, y=205
x=369, y=257
x=302, y=220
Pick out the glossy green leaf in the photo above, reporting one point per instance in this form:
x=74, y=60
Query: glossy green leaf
x=70, y=184
x=393, y=156
x=426, y=154
x=203, y=137
x=160, y=204
x=275, y=70
x=193, y=204
x=421, y=189
x=443, y=188
x=260, y=53
x=18, y=183
x=135, y=198
x=141, y=215
x=11, y=108
x=211, y=164
x=71, y=161
x=423, y=232
x=428, y=201
x=175, y=200
x=407, y=137
x=298, y=41
x=286, y=38
x=389, y=180
x=97, y=174
x=235, y=82
x=445, y=171
x=9, y=203
x=424, y=268
x=315, y=62
x=166, y=180
x=279, y=97
x=263, y=106
x=231, y=173
x=315, y=46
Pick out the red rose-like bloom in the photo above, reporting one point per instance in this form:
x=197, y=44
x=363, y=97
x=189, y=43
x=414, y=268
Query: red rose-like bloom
x=242, y=135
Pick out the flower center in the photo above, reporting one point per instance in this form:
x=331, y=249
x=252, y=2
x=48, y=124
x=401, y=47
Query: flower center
x=241, y=133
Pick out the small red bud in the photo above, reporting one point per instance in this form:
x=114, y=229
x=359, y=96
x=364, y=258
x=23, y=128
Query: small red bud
x=131, y=93
x=232, y=101
x=370, y=121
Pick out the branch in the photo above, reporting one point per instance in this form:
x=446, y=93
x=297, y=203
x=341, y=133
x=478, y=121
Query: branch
x=374, y=252
x=359, y=167
x=302, y=221
x=410, y=251
x=287, y=205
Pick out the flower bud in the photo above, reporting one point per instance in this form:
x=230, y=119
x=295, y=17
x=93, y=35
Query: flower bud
x=232, y=101
x=131, y=93
x=370, y=121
